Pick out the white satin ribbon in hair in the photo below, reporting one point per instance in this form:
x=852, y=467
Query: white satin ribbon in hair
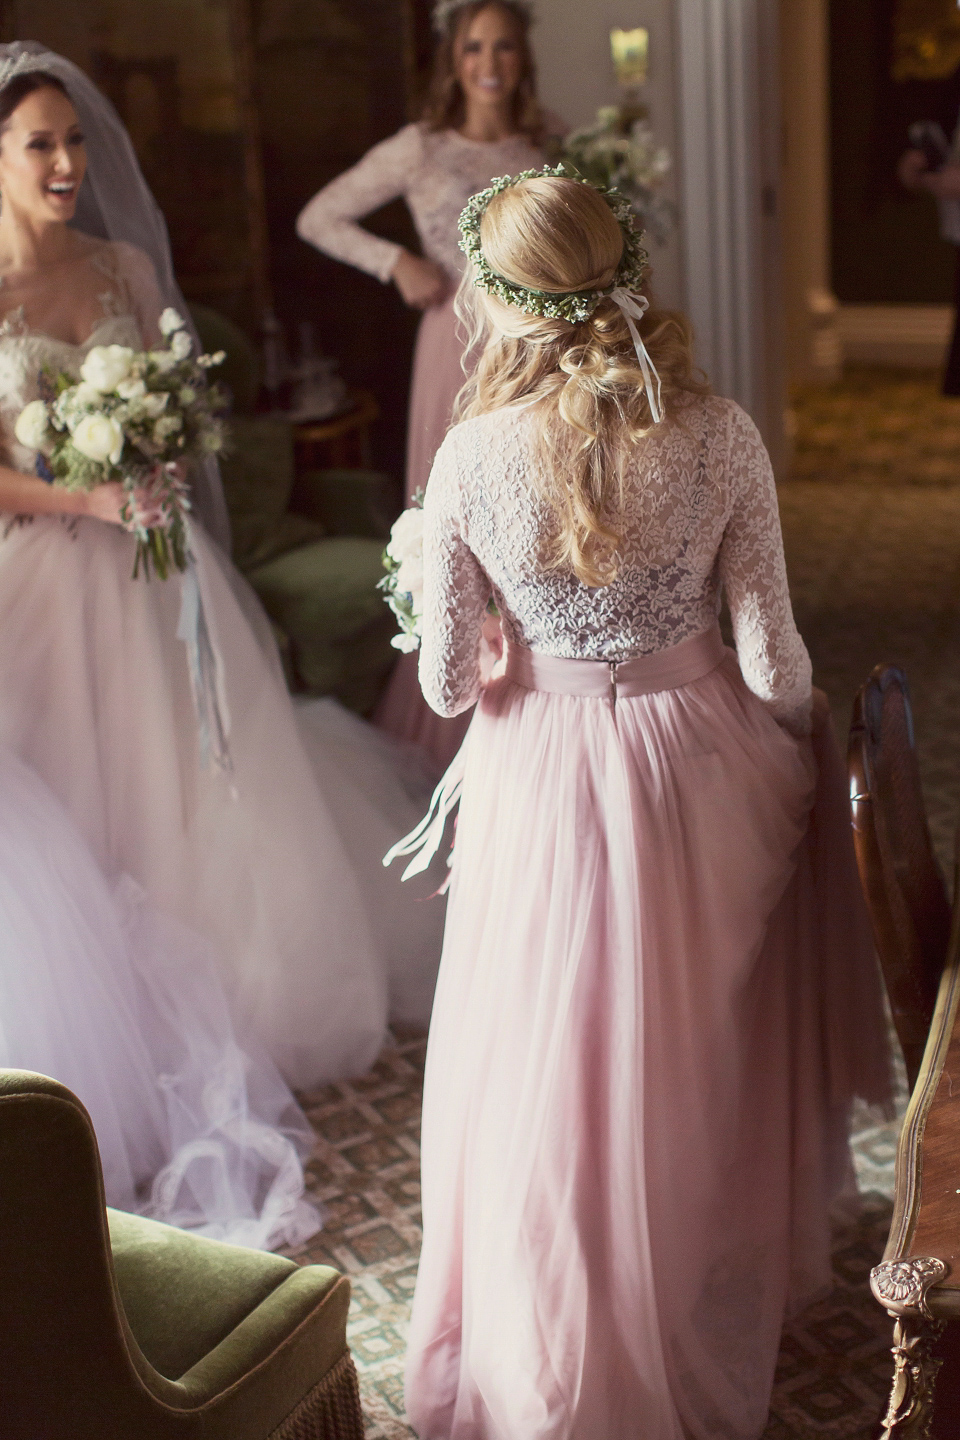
x=634, y=307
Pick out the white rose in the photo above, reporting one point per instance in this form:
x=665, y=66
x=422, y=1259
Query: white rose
x=167, y=425
x=405, y=642
x=155, y=403
x=163, y=360
x=170, y=321
x=409, y=579
x=33, y=425
x=106, y=366
x=131, y=389
x=74, y=402
x=99, y=438
x=181, y=345
x=406, y=535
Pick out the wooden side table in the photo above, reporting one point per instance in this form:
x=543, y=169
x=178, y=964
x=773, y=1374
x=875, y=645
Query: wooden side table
x=918, y=1282
x=340, y=443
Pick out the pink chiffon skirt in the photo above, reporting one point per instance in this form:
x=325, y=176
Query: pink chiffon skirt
x=656, y=1000
x=437, y=377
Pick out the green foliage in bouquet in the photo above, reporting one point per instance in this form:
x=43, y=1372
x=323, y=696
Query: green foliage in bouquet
x=137, y=418
x=619, y=151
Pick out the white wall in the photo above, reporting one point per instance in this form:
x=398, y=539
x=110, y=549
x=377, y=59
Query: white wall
x=572, y=40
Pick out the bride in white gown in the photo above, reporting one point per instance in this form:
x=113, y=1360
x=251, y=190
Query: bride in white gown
x=126, y=1008
x=275, y=863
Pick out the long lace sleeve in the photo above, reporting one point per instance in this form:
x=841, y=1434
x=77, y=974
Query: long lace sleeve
x=773, y=658
x=456, y=590
x=329, y=220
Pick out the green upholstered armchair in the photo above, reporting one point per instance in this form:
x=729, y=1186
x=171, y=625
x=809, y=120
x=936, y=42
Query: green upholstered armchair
x=119, y=1328
x=309, y=545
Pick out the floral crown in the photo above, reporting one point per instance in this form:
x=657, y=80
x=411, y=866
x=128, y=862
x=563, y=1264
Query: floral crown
x=572, y=305
x=445, y=10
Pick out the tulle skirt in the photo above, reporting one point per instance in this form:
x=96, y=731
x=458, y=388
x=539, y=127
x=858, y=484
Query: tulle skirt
x=126, y=1008
x=275, y=863
x=437, y=378
x=640, y=1062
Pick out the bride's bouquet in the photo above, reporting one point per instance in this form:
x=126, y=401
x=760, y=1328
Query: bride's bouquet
x=403, y=582
x=137, y=417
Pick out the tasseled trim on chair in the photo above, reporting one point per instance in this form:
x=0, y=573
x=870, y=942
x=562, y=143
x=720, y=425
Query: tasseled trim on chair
x=330, y=1411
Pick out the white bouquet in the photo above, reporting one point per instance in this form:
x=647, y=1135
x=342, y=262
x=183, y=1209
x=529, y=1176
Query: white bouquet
x=403, y=582
x=620, y=151
x=136, y=417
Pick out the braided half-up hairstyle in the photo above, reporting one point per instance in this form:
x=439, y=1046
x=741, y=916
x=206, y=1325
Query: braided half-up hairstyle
x=583, y=378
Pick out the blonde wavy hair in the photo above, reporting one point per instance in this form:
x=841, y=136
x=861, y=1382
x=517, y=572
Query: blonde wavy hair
x=583, y=379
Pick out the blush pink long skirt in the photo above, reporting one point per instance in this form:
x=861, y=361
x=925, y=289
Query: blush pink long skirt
x=656, y=999
x=437, y=377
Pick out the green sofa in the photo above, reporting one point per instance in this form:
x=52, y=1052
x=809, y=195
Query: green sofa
x=119, y=1328
x=310, y=545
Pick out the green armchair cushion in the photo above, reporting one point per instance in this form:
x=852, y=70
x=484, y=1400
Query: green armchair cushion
x=325, y=598
x=348, y=502
x=91, y=1315
x=257, y=473
x=183, y=1293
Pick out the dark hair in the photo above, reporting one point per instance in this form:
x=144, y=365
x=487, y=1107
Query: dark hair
x=445, y=108
x=17, y=90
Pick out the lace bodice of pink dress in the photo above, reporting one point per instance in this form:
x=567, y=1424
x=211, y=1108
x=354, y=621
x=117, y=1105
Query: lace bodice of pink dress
x=436, y=172
x=701, y=517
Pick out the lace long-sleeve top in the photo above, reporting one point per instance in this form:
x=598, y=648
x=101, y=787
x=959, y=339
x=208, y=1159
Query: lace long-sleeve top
x=701, y=517
x=436, y=172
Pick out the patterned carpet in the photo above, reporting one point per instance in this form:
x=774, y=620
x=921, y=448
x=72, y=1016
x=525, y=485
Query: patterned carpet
x=874, y=560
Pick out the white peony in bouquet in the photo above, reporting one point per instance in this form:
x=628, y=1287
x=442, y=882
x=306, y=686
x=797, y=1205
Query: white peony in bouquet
x=403, y=582
x=136, y=417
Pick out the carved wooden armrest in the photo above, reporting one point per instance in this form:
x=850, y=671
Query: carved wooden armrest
x=918, y=1282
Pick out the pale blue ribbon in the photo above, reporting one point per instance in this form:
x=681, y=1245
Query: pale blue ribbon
x=204, y=666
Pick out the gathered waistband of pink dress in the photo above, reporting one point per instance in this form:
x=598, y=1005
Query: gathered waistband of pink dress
x=617, y=679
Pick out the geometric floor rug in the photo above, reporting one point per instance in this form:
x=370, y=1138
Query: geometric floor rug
x=834, y=1370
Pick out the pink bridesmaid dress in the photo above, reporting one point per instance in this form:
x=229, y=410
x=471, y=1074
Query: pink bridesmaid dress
x=436, y=172
x=658, y=994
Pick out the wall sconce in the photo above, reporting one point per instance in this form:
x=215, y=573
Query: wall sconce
x=631, y=52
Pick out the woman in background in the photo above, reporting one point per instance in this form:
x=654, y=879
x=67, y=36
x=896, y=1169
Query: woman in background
x=481, y=119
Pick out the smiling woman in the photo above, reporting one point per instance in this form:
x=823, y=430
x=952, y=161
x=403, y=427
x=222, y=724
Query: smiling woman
x=481, y=119
x=42, y=166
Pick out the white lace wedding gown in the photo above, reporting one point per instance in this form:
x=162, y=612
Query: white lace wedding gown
x=277, y=864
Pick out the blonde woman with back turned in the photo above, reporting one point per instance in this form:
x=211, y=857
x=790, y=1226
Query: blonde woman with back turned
x=640, y=1061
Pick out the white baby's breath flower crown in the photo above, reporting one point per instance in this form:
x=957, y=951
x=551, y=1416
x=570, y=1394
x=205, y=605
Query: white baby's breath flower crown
x=572, y=305
x=445, y=11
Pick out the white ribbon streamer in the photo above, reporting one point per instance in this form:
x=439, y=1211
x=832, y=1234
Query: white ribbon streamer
x=634, y=307
x=425, y=839
x=204, y=665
